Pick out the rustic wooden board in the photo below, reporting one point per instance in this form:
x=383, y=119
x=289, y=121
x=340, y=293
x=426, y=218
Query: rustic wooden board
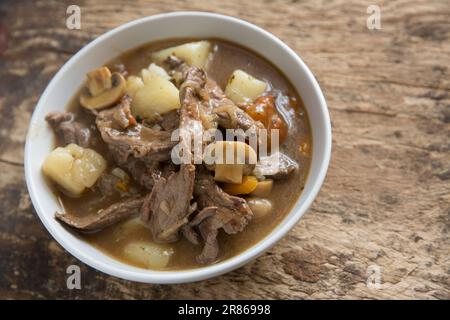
x=386, y=199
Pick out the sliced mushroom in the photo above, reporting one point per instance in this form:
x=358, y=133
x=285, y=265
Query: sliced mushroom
x=103, y=89
x=230, y=160
x=99, y=80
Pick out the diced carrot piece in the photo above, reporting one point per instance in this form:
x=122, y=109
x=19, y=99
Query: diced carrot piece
x=248, y=184
x=265, y=111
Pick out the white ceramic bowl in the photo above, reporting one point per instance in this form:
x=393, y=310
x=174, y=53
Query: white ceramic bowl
x=165, y=26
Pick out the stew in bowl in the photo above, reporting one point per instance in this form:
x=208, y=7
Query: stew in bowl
x=179, y=153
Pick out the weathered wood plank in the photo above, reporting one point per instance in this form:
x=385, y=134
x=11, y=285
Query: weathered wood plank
x=386, y=200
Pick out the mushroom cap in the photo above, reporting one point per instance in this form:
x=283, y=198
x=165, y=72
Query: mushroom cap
x=108, y=97
x=234, y=157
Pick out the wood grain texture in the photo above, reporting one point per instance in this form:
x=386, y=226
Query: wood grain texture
x=386, y=199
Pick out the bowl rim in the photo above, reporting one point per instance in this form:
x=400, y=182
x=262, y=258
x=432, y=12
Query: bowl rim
x=190, y=275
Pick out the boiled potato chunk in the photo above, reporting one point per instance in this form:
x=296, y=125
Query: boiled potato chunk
x=74, y=168
x=150, y=255
x=153, y=94
x=131, y=225
x=88, y=168
x=58, y=167
x=134, y=84
x=127, y=229
x=152, y=71
x=156, y=97
x=194, y=53
x=243, y=88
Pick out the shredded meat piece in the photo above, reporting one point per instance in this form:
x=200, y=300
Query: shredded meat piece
x=137, y=149
x=146, y=172
x=142, y=172
x=216, y=108
x=192, y=116
x=192, y=81
x=187, y=230
x=208, y=222
x=219, y=210
x=103, y=218
x=67, y=129
x=166, y=209
x=170, y=121
x=235, y=210
x=229, y=115
x=276, y=166
x=126, y=138
x=106, y=184
x=190, y=234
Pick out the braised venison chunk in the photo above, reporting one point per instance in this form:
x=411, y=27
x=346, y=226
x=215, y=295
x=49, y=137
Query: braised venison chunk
x=167, y=208
x=104, y=217
x=219, y=210
x=233, y=212
x=125, y=137
x=179, y=154
x=146, y=172
x=277, y=166
x=67, y=129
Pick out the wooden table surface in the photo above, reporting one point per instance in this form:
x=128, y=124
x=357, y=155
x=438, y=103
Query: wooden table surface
x=385, y=203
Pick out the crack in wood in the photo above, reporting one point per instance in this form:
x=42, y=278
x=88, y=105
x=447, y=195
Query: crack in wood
x=12, y=163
